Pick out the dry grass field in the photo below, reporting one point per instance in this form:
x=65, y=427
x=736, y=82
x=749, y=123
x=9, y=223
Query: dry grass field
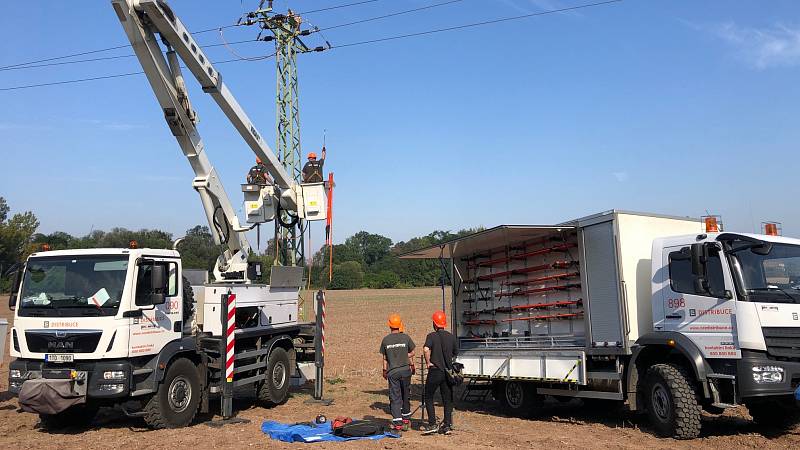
x=356, y=323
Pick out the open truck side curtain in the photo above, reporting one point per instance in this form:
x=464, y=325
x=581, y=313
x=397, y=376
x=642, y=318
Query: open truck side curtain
x=663, y=316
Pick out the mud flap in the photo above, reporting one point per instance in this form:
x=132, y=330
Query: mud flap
x=49, y=396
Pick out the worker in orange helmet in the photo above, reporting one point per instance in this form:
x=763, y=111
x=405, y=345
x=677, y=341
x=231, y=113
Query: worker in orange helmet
x=441, y=347
x=312, y=171
x=258, y=174
x=397, y=350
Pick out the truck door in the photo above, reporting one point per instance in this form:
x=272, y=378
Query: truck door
x=158, y=324
x=705, y=314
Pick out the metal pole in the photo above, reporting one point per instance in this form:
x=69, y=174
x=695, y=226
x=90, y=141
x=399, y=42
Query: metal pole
x=319, y=342
x=227, y=352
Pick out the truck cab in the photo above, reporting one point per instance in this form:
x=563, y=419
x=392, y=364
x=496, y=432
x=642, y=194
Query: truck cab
x=104, y=312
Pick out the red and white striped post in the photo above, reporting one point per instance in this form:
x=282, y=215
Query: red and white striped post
x=228, y=345
x=320, y=345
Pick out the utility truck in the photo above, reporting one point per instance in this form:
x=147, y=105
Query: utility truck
x=652, y=311
x=122, y=326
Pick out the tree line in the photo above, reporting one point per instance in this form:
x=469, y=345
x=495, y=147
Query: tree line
x=364, y=260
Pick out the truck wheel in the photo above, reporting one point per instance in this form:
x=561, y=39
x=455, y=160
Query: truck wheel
x=672, y=402
x=274, y=390
x=188, y=300
x=178, y=397
x=516, y=398
x=78, y=416
x=774, y=413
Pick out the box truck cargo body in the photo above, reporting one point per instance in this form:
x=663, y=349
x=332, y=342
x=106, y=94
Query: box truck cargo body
x=627, y=306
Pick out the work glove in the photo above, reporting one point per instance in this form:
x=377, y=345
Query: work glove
x=385, y=374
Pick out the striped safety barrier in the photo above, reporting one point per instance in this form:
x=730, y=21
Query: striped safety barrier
x=230, y=338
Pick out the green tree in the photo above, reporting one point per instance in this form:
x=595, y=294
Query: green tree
x=370, y=247
x=198, y=250
x=16, y=238
x=347, y=275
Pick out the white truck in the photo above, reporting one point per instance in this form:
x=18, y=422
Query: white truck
x=122, y=326
x=649, y=310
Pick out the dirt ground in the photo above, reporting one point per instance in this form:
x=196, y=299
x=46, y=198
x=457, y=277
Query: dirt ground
x=356, y=323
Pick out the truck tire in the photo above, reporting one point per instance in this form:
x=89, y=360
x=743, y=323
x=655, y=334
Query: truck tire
x=517, y=398
x=175, y=403
x=274, y=390
x=78, y=416
x=188, y=301
x=672, y=402
x=777, y=413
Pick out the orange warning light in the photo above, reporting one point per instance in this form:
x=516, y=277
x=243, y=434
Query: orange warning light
x=133, y=244
x=711, y=223
x=45, y=247
x=771, y=229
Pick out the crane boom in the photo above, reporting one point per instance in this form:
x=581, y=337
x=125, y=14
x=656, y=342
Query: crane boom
x=142, y=20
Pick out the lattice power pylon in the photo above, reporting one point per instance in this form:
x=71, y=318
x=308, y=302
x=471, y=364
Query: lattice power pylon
x=285, y=31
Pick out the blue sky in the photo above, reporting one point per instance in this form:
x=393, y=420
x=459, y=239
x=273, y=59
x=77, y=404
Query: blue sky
x=676, y=107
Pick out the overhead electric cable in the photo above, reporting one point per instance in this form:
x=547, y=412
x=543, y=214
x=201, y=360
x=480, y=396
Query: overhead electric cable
x=338, y=6
x=398, y=13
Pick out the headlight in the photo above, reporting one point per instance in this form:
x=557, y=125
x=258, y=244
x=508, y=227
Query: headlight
x=113, y=375
x=767, y=374
x=15, y=373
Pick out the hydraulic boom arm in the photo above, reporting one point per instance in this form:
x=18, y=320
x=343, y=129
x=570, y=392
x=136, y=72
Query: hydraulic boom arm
x=142, y=20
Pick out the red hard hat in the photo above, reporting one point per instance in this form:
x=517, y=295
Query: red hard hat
x=312, y=155
x=440, y=319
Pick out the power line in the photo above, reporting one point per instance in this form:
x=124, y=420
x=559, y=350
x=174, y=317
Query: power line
x=90, y=52
x=106, y=58
x=475, y=24
x=106, y=77
x=339, y=6
x=407, y=11
x=352, y=44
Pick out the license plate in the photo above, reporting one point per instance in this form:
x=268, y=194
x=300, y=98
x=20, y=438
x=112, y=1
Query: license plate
x=59, y=357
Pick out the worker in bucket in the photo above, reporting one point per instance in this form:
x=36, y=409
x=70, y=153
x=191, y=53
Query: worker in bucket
x=258, y=174
x=312, y=171
x=397, y=349
x=440, y=349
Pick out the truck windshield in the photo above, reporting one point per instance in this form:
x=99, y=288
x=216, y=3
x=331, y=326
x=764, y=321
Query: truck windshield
x=73, y=286
x=771, y=277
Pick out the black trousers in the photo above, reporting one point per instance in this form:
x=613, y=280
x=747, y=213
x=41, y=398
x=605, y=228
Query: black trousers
x=437, y=379
x=400, y=395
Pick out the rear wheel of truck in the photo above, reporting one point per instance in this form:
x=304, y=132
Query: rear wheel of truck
x=780, y=413
x=178, y=397
x=516, y=398
x=672, y=402
x=74, y=416
x=274, y=390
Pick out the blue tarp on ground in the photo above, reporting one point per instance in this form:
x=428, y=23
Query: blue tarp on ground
x=308, y=433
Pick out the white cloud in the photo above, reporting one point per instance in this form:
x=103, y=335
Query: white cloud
x=621, y=176
x=762, y=48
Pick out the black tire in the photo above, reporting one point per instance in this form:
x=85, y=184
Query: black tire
x=517, y=398
x=178, y=397
x=774, y=413
x=274, y=390
x=672, y=402
x=78, y=416
x=188, y=301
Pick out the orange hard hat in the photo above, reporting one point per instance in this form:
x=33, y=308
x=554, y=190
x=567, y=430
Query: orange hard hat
x=258, y=160
x=312, y=155
x=395, y=322
x=440, y=319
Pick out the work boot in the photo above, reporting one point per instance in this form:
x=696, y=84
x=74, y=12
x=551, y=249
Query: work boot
x=429, y=428
x=445, y=429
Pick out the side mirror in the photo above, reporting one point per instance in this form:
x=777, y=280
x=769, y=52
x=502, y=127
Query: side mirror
x=12, y=299
x=151, y=287
x=698, y=256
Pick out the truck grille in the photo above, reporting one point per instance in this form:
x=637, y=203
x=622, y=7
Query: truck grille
x=782, y=342
x=62, y=341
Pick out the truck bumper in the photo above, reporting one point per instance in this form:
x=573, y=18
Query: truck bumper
x=749, y=388
x=106, y=379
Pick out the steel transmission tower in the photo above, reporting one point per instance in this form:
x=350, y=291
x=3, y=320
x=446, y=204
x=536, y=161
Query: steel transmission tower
x=284, y=29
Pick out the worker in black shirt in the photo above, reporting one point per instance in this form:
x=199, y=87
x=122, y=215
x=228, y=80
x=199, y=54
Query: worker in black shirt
x=397, y=349
x=440, y=349
x=312, y=171
x=258, y=174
